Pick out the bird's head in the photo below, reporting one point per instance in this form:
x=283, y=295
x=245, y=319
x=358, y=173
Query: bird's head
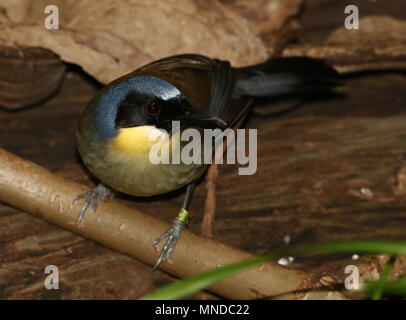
x=127, y=111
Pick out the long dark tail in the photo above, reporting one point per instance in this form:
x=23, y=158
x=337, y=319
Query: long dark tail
x=285, y=76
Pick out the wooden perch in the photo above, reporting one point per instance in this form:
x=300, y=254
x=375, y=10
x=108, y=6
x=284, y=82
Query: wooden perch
x=36, y=190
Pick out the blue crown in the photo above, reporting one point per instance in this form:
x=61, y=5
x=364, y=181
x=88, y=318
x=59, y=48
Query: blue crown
x=104, y=111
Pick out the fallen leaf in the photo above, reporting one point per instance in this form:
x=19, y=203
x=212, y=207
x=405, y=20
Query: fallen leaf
x=379, y=44
x=108, y=40
x=266, y=15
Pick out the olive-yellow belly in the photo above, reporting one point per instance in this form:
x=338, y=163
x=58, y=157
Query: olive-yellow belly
x=123, y=163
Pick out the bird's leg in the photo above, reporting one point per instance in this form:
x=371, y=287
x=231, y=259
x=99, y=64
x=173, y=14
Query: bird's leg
x=173, y=234
x=96, y=195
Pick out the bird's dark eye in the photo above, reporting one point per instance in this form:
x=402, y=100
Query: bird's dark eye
x=153, y=109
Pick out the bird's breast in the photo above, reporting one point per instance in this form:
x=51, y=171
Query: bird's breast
x=124, y=162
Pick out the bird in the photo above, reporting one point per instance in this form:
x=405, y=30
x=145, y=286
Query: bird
x=113, y=133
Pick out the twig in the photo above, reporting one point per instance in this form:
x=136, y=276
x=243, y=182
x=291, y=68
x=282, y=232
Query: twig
x=211, y=181
x=210, y=204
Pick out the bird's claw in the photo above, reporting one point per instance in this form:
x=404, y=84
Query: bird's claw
x=97, y=195
x=173, y=235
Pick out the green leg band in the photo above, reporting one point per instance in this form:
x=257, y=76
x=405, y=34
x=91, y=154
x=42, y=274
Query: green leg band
x=183, y=216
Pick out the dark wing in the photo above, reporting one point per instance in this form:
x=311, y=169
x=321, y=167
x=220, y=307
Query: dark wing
x=207, y=83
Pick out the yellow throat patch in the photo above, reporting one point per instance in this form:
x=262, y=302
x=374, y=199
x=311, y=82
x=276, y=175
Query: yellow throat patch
x=140, y=140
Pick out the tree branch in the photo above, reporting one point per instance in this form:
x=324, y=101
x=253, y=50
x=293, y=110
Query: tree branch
x=38, y=191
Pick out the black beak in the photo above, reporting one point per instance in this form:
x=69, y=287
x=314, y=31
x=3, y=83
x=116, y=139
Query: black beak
x=201, y=119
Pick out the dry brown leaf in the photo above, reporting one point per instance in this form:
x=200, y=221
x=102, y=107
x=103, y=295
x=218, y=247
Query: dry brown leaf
x=267, y=16
x=28, y=75
x=111, y=38
x=379, y=43
x=373, y=30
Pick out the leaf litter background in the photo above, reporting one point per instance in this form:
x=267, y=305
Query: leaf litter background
x=315, y=163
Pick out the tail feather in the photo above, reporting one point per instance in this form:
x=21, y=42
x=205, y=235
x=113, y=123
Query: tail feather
x=285, y=76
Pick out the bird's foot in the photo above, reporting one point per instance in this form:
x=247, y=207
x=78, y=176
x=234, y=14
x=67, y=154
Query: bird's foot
x=173, y=235
x=96, y=195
